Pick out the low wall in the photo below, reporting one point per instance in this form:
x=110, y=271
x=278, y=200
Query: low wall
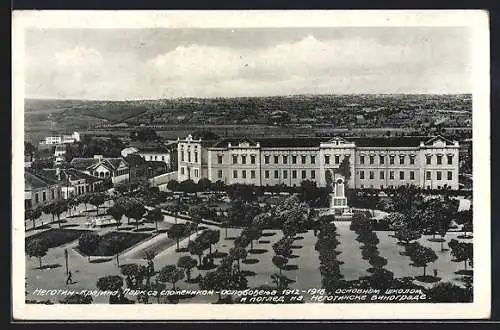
x=163, y=179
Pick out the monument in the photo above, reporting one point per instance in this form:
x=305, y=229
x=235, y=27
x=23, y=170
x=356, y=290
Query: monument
x=338, y=200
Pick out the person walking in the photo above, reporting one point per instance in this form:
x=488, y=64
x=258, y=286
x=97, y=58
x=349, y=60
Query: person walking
x=69, y=280
x=435, y=272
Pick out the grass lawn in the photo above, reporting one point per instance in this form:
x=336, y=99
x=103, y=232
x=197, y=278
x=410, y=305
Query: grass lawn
x=56, y=237
x=126, y=240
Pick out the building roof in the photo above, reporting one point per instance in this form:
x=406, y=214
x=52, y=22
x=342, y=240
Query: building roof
x=87, y=163
x=68, y=173
x=36, y=181
x=308, y=142
x=60, y=148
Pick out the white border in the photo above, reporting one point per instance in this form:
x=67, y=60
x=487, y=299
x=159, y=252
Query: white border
x=475, y=19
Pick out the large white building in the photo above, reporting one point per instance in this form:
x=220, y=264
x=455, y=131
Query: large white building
x=428, y=162
x=61, y=139
x=159, y=153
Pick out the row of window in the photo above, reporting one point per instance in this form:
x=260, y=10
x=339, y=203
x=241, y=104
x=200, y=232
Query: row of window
x=44, y=195
x=362, y=159
x=428, y=175
x=196, y=172
x=162, y=158
x=189, y=156
x=267, y=174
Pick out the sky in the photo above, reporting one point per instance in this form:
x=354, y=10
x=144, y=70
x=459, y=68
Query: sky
x=126, y=64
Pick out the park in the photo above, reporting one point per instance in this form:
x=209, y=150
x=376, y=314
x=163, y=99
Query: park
x=210, y=236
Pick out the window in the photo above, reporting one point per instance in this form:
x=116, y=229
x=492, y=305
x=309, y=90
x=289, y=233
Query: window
x=196, y=173
x=195, y=157
x=182, y=170
x=313, y=174
x=266, y=159
x=266, y=174
x=428, y=175
x=428, y=160
x=337, y=159
x=450, y=159
x=439, y=159
x=313, y=159
x=285, y=159
x=44, y=196
x=276, y=159
x=361, y=159
x=276, y=174
x=235, y=174
x=327, y=159
x=382, y=175
x=54, y=194
x=438, y=175
x=412, y=175
x=294, y=174
x=36, y=198
x=372, y=160
x=252, y=174
x=391, y=175
x=362, y=186
x=182, y=156
x=303, y=159
x=391, y=160
x=303, y=174
x=243, y=159
x=382, y=160
x=189, y=156
x=252, y=159
x=401, y=159
x=163, y=158
x=235, y=159
x=412, y=160
x=371, y=175
x=401, y=175
x=450, y=175
x=294, y=159
x=362, y=175
x=219, y=174
x=219, y=159
x=244, y=174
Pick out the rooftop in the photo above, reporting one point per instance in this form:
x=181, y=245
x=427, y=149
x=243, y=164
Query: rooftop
x=70, y=173
x=36, y=181
x=85, y=163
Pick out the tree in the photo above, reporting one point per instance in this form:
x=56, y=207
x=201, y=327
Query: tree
x=49, y=209
x=113, y=245
x=196, y=248
x=155, y=216
x=173, y=185
x=444, y=292
x=225, y=223
x=59, y=208
x=213, y=237
x=283, y=247
x=170, y=274
x=136, y=213
x=88, y=243
x=176, y=232
x=238, y=253
x=97, y=200
x=37, y=248
x=112, y=283
x=77, y=298
x=85, y=199
x=396, y=221
x=204, y=184
x=279, y=261
x=407, y=235
x=134, y=274
x=117, y=212
x=187, y=263
x=422, y=255
x=214, y=280
x=194, y=213
x=252, y=234
x=461, y=251
x=33, y=215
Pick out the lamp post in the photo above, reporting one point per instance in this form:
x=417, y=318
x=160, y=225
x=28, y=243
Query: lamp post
x=66, y=260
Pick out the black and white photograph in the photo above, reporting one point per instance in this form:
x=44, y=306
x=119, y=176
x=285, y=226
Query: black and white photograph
x=177, y=162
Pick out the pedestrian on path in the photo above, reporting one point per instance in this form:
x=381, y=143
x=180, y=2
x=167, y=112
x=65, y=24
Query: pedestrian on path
x=69, y=280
